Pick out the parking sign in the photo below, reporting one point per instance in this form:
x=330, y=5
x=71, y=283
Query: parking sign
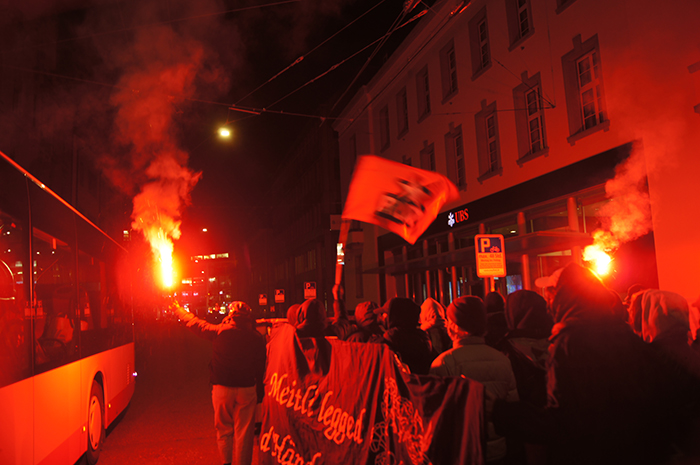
x=310, y=290
x=490, y=255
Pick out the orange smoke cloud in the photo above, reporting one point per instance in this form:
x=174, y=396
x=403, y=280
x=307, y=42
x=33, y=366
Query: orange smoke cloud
x=157, y=209
x=147, y=105
x=627, y=216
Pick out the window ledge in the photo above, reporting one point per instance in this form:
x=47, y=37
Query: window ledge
x=449, y=96
x=564, y=6
x=531, y=156
x=481, y=71
x=490, y=174
x=604, y=126
x=521, y=40
x=423, y=116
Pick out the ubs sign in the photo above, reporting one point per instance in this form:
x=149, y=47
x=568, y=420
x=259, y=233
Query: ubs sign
x=457, y=216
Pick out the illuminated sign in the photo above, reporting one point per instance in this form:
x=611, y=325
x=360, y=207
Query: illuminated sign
x=279, y=296
x=490, y=255
x=310, y=290
x=457, y=217
x=210, y=256
x=262, y=299
x=340, y=253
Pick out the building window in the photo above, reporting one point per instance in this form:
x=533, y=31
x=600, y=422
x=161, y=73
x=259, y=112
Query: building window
x=584, y=90
x=519, y=15
x=492, y=142
x=479, y=43
x=427, y=157
x=563, y=5
x=406, y=160
x=402, y=112
x=423, y=93
x=448, y=64
x=384, y=128
x=533, y=100
x=529, y=118
x=487, y=142
x=454, y=147
x=589, y=90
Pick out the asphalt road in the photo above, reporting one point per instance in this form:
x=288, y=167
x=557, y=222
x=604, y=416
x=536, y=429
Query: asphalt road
x=170, y=419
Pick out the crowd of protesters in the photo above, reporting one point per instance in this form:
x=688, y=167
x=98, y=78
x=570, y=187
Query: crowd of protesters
x=576, y=377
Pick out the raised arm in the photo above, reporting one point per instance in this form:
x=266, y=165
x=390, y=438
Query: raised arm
x=194, y=324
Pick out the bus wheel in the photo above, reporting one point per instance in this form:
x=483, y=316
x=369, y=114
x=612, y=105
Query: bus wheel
x=95, y=423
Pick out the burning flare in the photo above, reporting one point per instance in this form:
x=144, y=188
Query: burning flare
x=163, y=249
x=600, y=260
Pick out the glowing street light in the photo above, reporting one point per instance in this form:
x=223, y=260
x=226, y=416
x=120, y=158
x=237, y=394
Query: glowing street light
x=224, y=132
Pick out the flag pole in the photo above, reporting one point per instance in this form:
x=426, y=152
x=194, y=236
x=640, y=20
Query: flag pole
x=342, y=239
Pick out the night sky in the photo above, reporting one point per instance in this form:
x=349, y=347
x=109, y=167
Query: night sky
x=148, y=83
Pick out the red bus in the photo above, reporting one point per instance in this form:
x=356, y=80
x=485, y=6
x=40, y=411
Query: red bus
x=66, y=327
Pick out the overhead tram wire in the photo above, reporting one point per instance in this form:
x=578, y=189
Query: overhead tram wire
x=392, y=28
x=419, y=15
x=461, y=8
x=301, y=58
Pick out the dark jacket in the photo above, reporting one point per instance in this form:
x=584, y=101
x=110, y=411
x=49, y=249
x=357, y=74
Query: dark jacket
x=526, y=344
x=610, y=397
x=496, y=326
x=238, y=351
x=404, y=336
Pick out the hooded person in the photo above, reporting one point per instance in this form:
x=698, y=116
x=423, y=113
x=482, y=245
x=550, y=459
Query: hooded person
x=292, y=314
x=432, y=321
x=610, y=398
x=665, y=323
x=471, y=357
x=368, y=328
x=237, y=371
x=311, y=319
x=404, y=336
x=527, y=342
x=496, y=326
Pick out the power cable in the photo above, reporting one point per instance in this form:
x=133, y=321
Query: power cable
x=392, y=28
x=301, y=58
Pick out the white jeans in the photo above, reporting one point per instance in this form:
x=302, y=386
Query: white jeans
x=234, y=419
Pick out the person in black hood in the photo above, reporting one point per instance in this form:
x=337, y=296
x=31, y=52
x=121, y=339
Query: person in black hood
x=311, y=319
x=368, y=328
x=404, y=336
x=496, y=326
x=526, y=344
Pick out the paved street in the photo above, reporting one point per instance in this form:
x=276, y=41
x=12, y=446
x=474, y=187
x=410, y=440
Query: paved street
x=170, y=418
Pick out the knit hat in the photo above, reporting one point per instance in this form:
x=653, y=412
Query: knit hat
x=240, y=310
x=469, y=313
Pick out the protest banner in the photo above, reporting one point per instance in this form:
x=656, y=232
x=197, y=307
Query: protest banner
x=335, y=402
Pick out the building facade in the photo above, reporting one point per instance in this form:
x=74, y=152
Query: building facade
x=562, y=123
x=299, y=245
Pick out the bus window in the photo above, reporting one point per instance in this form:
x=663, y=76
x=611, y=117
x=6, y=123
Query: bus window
x=15, y=327
x=56, y=302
